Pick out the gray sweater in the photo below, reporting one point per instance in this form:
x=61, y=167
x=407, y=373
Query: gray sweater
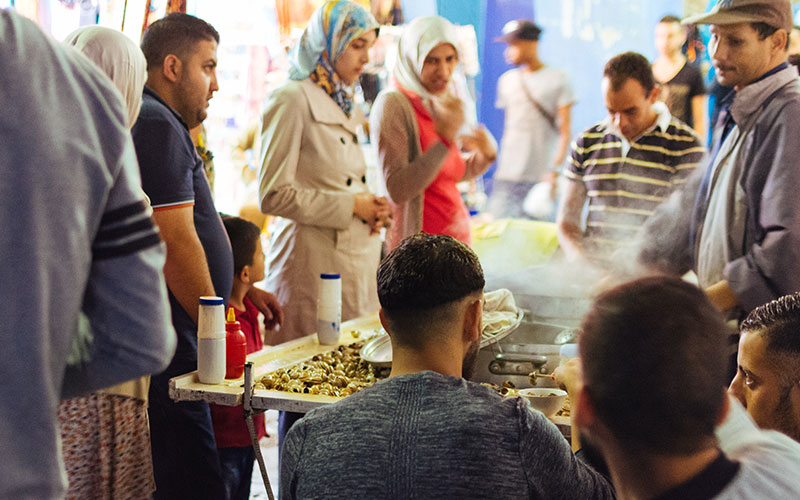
x=427, y=435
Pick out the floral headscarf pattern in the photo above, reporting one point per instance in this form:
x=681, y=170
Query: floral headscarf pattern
x=331, y=29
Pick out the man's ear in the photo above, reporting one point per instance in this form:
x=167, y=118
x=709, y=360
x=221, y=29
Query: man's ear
x=382, y=317
x=779, y=39
x=172, y=68
x=653, y=96
x=585, y=415
x=472, y=320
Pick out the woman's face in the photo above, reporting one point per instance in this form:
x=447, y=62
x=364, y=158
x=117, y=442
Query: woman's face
x=351, y=63
x=437, y=70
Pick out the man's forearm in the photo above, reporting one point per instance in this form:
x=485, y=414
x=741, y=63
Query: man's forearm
x=186, y=272
x=570, y=237
x=721, y=295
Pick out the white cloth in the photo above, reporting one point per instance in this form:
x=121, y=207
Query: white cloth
x=528, y=146
x=75, y=235
x=119, y=58
x=770, y=461
x=422, y=35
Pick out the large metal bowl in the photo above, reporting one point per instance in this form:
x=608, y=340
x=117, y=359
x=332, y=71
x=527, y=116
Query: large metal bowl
x=378, y=351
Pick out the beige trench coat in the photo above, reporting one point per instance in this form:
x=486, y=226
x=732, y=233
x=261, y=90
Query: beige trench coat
x=311, y=169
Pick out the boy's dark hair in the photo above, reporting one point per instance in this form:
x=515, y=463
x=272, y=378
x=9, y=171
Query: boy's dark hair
x=654, y=364
x=627, y=65
x=175, y=34
x=670, y=19
x=420, y=278
x=243, y=235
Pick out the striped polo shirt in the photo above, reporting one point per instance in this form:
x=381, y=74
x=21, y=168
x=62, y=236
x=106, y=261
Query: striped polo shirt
x=625, y=181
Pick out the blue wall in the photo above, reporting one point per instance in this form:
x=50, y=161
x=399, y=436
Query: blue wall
x=581, y=41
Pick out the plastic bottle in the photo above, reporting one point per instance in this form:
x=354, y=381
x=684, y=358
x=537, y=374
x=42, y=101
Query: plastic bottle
x=329, y=308
x=235, y=347
x=211, y=340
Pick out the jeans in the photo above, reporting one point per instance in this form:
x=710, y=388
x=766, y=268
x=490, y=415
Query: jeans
x=237, y=470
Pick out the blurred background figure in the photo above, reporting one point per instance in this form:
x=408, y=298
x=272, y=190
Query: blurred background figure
x=106, y=435
x=537, y=100
x=81, y=251
x=681, y=83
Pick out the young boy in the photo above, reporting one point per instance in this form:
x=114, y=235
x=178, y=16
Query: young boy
x=236, y=454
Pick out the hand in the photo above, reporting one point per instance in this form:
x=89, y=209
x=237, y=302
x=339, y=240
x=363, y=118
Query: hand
x=479, y=140
x=373, y=210
x=570, y=376
x=267, y=304
x=448, y=113
x=552, y=179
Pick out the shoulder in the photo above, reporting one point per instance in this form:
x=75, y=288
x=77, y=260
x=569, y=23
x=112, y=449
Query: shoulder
x=679, y=134
x=551, y=72
x=786, y=102
x=392, y=98
x=391, y=104
x=288, y=96
x=592, y=135
x=251, y=312
x=508, y=75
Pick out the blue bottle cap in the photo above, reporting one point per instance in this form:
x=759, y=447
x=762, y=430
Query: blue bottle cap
x=210, y=301
x=330, y=276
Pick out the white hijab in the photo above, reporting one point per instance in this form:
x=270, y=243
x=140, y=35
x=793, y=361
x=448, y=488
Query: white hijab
x=119, y=58
x=421, y=36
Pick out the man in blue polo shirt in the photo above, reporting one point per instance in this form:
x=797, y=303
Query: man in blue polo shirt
x=181, y=52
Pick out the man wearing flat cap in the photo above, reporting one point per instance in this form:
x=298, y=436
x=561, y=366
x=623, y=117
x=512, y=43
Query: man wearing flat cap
x=537, y=100
x=743, y=236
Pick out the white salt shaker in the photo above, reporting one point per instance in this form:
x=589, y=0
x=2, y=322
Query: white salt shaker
x=211, y=340
x=329, y=308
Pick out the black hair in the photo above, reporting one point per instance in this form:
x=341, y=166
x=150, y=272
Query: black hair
x=765, y=30
x=420, y=278
x=244, y=236
x=176, y=34
x=627, y=65
x=654, y=364
x=778, y=322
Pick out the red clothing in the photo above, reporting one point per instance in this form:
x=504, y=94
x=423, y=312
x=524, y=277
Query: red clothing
x=230, y=428
x=443, y=209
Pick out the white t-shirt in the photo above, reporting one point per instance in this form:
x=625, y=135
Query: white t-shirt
x=770, y=461
x=529, y=140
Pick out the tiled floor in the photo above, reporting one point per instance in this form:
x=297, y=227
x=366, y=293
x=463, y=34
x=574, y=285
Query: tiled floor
x=269, y=448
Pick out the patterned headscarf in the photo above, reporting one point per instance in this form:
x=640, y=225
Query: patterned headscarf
x=119, y=58
x=332, y=27
x=421, y=36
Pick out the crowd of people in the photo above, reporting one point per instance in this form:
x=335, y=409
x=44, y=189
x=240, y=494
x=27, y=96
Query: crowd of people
x=108, y=262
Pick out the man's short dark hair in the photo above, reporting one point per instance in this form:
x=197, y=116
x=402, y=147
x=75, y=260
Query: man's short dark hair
x=670, y=19
x=244, y=236
x=765, y=30
x=654, y=364
x=175, y=34
x=778, y=322
x=620, y=68
x=420, y=278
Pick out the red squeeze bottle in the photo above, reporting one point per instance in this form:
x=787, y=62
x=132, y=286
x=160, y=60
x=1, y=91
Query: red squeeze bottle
x=235, y=347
